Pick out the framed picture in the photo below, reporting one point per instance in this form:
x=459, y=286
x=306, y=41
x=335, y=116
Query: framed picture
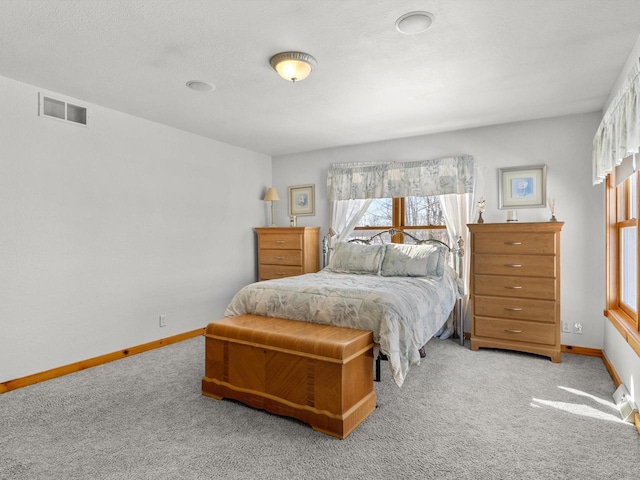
x=302, y=200
x=522, y=187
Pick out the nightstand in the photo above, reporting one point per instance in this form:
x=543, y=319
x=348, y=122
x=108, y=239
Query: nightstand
x=287, y=251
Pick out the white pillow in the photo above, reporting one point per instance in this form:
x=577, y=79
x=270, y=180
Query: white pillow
x=356, y=258
x=402, y=260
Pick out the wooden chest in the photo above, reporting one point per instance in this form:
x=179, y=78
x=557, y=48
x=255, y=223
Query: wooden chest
x=515, y=287
x=319, y=374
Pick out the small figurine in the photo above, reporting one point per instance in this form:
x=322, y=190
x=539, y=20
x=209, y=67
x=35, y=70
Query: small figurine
x=551, y=202
x=482, y=206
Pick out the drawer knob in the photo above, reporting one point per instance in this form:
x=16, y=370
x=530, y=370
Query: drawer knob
x=513, y=309
x=279, y=258
x=509, y=330
x=513, y=287
x=513, y=265
x=513, y=243
x=279, y=241
x=280, y=274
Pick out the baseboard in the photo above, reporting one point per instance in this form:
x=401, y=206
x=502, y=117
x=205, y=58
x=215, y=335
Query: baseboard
x=594, y=352
x=94, y=362
x=611, y=370
x=617, y=382
x=590, y=352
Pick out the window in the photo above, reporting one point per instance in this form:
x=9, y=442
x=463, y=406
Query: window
x=420, y=216
x=626, y=226
x=622, y=203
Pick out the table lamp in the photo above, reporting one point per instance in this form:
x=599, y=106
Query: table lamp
x=271, y=196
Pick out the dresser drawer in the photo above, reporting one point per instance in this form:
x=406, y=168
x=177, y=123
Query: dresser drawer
x=512, y=286
x=515, y=308
x=268, y=272
x=291, y=241
x=515, y=330
x=515, y=243
x=281, y=257
x=525, y=265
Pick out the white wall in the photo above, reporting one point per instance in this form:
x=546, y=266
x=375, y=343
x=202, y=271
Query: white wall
x=108, y=226
x=563, y=144
x=624, y=359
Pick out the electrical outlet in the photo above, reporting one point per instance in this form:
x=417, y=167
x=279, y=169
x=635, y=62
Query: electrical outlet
x=163, y=320
x=565, y=327
x=577, y=328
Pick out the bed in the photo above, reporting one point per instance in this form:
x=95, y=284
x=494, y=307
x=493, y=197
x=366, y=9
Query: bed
x=403, y=293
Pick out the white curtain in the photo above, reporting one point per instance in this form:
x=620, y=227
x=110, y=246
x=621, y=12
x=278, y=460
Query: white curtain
x=459, y=210
x=618, y=135
x=343, y=218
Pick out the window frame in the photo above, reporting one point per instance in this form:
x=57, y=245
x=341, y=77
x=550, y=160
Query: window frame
x=398, y=206
x=625, y=321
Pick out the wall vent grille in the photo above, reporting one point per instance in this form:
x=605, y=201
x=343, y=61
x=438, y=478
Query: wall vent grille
x=62, y=110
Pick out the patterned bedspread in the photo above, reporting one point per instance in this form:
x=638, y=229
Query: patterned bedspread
x=403, y=312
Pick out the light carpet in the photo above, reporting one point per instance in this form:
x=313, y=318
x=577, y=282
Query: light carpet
x=460, y=415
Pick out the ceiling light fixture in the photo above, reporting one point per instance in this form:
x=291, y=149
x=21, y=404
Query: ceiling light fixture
x=293, y=66
x=414, y=22
x=199, y=86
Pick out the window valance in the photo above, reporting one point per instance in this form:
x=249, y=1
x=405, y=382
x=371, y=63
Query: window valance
x=441, y=176
x=618, y=135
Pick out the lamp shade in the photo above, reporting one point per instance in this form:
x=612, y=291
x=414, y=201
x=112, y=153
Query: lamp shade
x=293, y=66
x=271, y=195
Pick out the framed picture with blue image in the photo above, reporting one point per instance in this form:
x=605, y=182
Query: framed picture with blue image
x=522, y=187
x=302, y=200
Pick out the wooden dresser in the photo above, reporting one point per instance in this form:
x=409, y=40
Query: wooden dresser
x=515, y=287
x=287, y=251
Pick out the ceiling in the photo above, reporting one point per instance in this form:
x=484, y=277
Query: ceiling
x=482, y=62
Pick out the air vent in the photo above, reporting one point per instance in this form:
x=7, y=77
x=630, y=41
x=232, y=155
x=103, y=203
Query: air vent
x=62, y=110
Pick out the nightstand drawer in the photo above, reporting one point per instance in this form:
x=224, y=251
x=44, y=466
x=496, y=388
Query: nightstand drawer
x=514, y=243
x=515, y=330
x=515, y=308
x=290, y=241
x=268, y=272
x=281, y=257
x=524, y=265
x=512, y=286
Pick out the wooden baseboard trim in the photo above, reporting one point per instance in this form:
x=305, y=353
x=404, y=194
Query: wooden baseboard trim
x=594, y=352
x=94, y=362
x=617, y=382
x=590, y=352
x=611, y=370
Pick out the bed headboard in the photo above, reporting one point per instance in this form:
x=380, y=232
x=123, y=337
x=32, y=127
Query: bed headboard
x=457, y=250
x=394, y=231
